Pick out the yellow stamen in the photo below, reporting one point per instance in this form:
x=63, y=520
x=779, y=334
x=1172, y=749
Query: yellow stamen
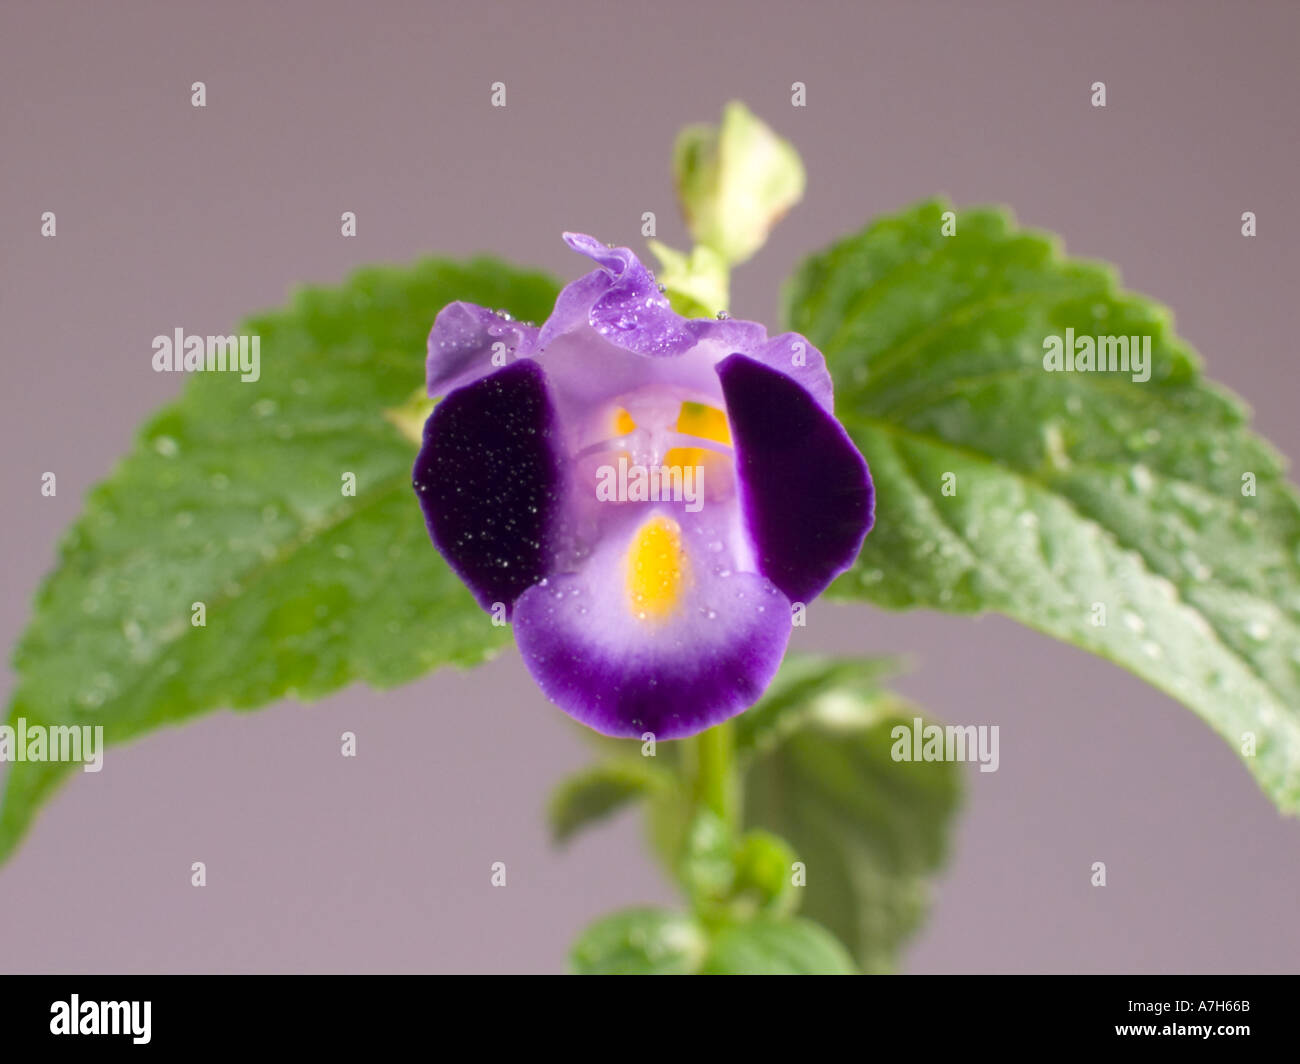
x=685, y=457
x=623, y=423
x=657, y=569
x=704, y=421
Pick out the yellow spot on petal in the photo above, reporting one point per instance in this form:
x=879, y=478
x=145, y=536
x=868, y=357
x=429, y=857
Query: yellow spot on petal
x=623, y=423
x=657, y=569
x=707, y=422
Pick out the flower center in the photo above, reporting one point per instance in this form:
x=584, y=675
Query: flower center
x=657, y=569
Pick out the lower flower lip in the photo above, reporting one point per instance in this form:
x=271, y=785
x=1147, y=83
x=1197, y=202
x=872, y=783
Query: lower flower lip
x=624, y=678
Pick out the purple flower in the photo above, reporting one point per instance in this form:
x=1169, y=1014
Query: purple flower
x=644, y=495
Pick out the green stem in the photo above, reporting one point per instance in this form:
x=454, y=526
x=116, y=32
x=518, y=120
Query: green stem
x=717, y=785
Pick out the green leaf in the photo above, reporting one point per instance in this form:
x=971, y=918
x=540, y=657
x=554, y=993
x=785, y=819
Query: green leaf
x=640, y=942
x=598, y=791
x=645, y=941
x=835, y=689
x=1074, y=490
x=870, y=831
x=233, y=497
x=776, y=946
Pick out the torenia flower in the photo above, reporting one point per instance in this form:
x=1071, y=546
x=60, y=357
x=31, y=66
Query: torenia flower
x=645, y=496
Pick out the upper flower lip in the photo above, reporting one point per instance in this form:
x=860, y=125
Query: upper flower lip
x=622, y=303
x=615, y=261
x=503, y=478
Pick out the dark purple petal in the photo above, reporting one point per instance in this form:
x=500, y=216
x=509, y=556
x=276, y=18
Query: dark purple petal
x=805, y=489
x=489, y=480
x=463, y=343
x=623, y=675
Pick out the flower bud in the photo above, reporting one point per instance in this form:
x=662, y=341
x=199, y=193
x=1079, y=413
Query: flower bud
x=735, y=181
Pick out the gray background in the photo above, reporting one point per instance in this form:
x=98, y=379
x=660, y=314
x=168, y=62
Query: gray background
x=174, y=216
